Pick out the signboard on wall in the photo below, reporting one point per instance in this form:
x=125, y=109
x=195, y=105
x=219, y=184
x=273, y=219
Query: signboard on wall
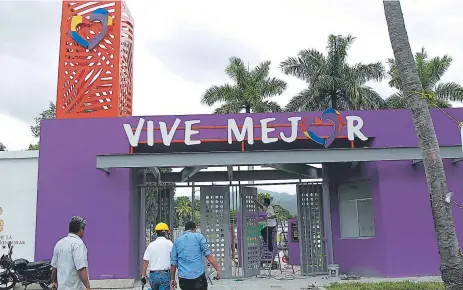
x=246, y=131
x=7, y=233
x=18, y=201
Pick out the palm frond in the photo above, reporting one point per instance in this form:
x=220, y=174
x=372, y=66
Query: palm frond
x=236, y=70
x=368, y=72
x=217, y=94
x=338, y=46
x=449, y=91
x=394, y=78
x=272, y=87
x=440, y=104
x=261, y=71
x=421, y=59
x=434, y=71
x=305, y=65
x=396, y=101
x=366, y=98
x=228, y=108
x=250, y=90
x=294, y=66
x=307, y=101
x=266, y=106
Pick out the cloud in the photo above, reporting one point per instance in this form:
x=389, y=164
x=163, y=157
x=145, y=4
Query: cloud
x=10, y=129
x=182, y=47
x=28, y=57
x=199, y=55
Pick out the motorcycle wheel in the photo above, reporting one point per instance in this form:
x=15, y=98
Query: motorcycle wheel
x=7, y=283
x=45, y=286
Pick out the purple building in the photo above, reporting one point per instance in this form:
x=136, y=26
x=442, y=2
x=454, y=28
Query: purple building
x=373, y=210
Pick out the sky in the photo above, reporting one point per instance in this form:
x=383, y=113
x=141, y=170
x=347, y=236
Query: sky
x=182, y=48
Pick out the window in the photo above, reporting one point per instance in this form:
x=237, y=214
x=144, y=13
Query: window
x=356, y=210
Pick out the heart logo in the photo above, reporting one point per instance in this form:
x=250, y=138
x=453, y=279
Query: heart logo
x=101, y=15
x=328, y=115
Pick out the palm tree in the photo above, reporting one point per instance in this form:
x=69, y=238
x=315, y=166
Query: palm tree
x=430, y=72
x=332, y=82
x=250, y=91
x=183, y=208
x=447, y=241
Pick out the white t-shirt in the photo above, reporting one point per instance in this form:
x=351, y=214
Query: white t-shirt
x=158, y=254
x=271, y=212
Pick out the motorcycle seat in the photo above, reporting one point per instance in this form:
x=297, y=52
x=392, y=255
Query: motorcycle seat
x=35, y=265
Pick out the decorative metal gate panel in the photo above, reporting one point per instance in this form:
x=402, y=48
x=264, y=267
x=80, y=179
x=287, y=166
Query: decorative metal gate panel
x=250, y=232
x=215, y=226
x=165, y=211
x=311, y=228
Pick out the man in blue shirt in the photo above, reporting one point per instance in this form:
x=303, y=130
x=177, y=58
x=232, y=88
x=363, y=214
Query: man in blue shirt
x=187, y=255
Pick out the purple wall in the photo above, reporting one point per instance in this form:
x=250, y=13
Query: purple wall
x=408, y=229
x=362, y=256
x=70, y=185
x=294, y=248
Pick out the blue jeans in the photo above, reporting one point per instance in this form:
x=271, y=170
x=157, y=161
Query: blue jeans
x=160, y=280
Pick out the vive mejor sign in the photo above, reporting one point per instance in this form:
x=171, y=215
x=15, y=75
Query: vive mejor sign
x=245, y=131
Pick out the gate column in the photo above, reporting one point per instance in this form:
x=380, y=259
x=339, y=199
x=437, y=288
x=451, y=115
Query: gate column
x=311, y=228
x=215, y=226
x=250, y=232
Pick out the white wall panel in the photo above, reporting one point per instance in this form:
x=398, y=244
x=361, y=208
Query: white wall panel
x=18, y=201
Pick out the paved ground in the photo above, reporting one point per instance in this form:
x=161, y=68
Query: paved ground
x=298, y=283
x=295, y=284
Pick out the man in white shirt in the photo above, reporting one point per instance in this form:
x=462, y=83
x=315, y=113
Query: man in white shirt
x=69, y=263
x=157, y=259
x=267, y=231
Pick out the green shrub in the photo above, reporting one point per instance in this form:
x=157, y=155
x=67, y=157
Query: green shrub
x=387, y=286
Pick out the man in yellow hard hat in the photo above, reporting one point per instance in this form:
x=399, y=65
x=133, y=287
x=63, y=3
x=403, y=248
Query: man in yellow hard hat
x=157, y=259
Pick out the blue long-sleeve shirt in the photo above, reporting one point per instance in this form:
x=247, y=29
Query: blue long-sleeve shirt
x=187, y=255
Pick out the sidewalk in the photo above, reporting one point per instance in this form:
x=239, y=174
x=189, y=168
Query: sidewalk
x=299, y=283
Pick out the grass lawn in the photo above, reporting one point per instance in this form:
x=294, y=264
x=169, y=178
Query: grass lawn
x=387, y=286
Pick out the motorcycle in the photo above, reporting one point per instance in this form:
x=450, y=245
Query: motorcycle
x=24, y=272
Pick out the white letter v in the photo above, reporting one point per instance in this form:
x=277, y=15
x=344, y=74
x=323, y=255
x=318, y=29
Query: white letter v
x=134, y=137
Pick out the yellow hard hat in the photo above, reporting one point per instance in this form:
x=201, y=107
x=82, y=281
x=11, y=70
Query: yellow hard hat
x=161, y=227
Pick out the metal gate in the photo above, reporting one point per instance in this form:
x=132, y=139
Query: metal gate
x=250, y=232
x=311, y=228
x=158, y=207
x=165, y=211
x=215, y=226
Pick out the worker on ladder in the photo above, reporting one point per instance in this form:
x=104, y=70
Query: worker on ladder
x=157, y=257
x=267, y=231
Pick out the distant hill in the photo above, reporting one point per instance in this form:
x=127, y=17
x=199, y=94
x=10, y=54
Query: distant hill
x=283, y=199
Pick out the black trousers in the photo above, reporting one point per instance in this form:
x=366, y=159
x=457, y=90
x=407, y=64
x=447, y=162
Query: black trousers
x=199, y=283
x=267, y=235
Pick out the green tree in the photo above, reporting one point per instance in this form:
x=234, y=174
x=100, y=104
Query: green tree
x=33, y=147
x=183, y=208
x=2, y=147
x=250, y=91
x=48, y=114
x=332, y=82
x=282, y=213
x=430, y=72
x=447, y=242
x=261, y=196
x=152, y=214
x=233, y=216
x=197, y=211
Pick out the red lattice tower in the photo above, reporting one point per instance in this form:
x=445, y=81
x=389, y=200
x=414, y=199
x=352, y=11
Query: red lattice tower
x=95, y=82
